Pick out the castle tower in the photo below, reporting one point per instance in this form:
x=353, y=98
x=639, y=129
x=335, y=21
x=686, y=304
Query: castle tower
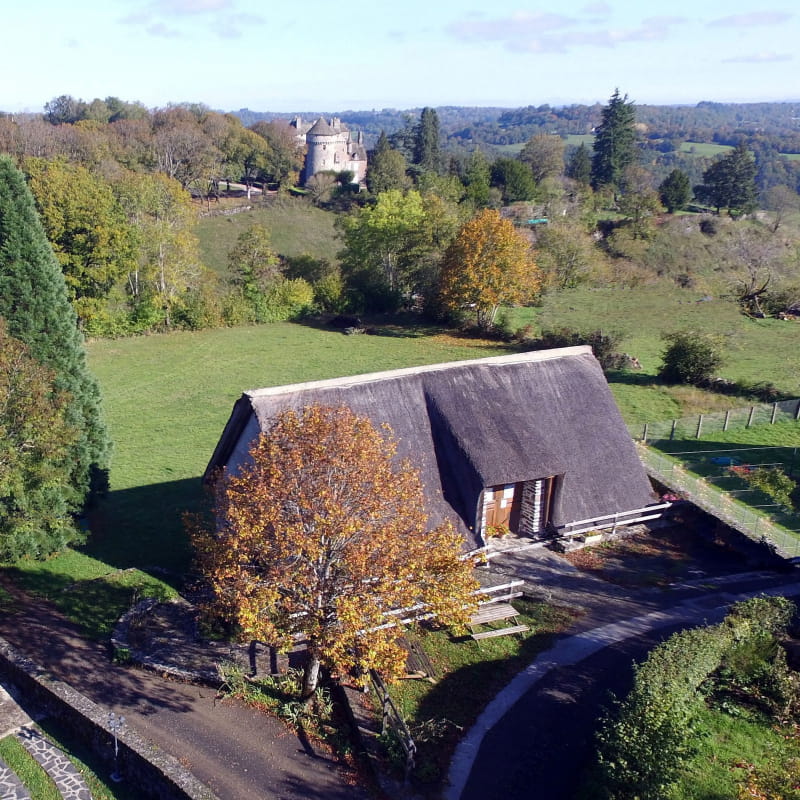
x=330, y=148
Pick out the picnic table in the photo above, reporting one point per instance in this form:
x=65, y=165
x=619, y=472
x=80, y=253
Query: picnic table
x=495, y=612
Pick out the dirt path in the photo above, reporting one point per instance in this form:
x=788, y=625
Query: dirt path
x=238, y=752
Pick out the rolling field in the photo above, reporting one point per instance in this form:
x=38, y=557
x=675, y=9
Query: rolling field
x=296, y=227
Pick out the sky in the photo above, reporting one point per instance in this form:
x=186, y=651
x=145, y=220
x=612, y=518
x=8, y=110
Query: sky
x=324, y=55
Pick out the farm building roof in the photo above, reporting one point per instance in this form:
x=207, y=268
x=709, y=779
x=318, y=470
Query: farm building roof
x=469, y=425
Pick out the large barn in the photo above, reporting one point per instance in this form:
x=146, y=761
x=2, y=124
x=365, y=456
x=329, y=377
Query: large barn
x=532, y=442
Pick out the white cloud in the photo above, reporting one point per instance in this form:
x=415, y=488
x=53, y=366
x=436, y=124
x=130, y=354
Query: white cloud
x=219, y=16
x=556, y=33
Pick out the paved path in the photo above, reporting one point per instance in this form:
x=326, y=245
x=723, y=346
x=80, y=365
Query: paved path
x=237, y=751
x=65, y=775
x=532, y=739
x=10, y=786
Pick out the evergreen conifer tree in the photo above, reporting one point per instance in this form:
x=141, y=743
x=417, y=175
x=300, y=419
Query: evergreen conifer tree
x=34, y=303
x=615, y=142
x=427, y=154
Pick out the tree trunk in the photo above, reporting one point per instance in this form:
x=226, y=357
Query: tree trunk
x=310, y=677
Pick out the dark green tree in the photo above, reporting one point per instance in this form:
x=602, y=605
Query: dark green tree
x=35, y=439
x=387, y=168
x=730, y=182
x=34, y=303
x=477, y=179
x=514, y=179
x=579, y=167
x=615, y=142
x=427, y=152
x=675, y=190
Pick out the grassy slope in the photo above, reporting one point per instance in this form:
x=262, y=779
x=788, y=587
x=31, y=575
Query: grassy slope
x=297, y=228
x=756, y=350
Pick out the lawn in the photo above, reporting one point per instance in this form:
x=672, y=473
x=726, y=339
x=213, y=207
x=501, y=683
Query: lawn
x=468, y=675
x=296, y=228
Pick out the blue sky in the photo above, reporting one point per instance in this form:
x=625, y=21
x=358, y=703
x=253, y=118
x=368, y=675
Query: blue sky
x=360, y=54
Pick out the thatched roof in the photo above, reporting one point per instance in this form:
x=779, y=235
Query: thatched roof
x=472, y=424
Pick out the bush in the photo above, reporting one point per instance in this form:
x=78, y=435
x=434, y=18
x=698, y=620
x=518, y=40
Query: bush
x=642, y=747
x=690, y=357
x=604, y=344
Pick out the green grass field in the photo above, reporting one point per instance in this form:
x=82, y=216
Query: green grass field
x=756, y=350
x=297, y=228
x=705, y=149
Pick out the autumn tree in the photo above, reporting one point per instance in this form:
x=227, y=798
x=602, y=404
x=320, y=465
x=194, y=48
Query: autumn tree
x=489, y=264
x=321, y=533
x=566, y=255
x=34, y=303
x=36, y=514
x=615, y=142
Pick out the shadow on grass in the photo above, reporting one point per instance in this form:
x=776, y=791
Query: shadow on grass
x=143, y=528
x=402, y=326
x=94, y=604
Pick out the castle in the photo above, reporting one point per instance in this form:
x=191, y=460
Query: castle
x=331, y=147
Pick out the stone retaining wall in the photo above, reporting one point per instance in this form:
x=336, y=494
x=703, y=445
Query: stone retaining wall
x=155, y=773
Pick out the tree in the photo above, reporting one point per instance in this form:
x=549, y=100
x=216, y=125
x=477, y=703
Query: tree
x=427, y=153
x=383, y=242
x=321, y=533
x=489, y=264
x=86, y=227
x=35, y=440
x=639, y=201
x=34, y=303
x=730, y=182
x=286, y=161
x=387, y=168
x=514, y=179
x=580, y=166
x=477, y=176
x=615, y=142
x=781, y=201
x=690, y=357
x=566, y=254
x=544, y=156
x=675, y=191
x=253, y=263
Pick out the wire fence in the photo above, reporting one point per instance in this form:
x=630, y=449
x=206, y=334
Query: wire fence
x=718, y=422
x=749, y=520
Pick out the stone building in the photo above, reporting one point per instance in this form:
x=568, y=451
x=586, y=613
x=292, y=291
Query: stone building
x=332, y=146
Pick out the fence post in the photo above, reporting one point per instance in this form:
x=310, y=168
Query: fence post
x=644, y=434
x=797, y=411
x=774, y=413
x=699, y=426
x=750, y=416
x=672, y=432
x=727, y=419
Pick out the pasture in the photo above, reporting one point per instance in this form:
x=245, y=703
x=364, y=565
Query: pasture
x=297, y=228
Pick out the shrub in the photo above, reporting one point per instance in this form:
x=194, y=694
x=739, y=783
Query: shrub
x=604, y=344
x=690, y=357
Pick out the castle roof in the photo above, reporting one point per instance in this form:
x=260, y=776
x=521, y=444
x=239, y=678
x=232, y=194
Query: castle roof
x=321, y=128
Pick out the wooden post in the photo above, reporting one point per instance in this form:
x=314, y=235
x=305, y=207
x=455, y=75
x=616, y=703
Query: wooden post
x=644, y=434
x=750, y=416
x=797, y=411
x=672, y=432
x=728, y=417
x=699, y=426
x=774, y=413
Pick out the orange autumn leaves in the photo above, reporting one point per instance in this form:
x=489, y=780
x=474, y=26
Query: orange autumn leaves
x=323, y=533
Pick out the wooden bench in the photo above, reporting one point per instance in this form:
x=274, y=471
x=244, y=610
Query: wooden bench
x=500, y=632
x=493, y=613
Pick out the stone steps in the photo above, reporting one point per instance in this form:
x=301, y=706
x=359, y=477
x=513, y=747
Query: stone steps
x=11, y=787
